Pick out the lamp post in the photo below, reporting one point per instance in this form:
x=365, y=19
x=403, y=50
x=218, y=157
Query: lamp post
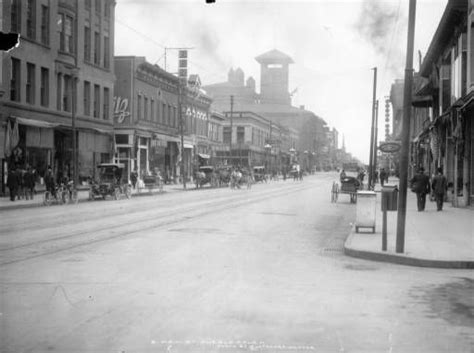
x=268, y=148
x=306, y=160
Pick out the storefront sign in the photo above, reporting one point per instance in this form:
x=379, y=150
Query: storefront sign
x=121, y=110
x=389, y=147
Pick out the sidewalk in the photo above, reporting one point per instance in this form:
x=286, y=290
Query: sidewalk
x=432, y=239
x=83, y=195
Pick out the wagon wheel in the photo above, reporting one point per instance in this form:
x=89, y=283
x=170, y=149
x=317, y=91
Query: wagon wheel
x=334, y=195
x=353, y=198
x=74, y=198
x=65, y=197
x=47, y=198
x=128, y=192
x=116, y=193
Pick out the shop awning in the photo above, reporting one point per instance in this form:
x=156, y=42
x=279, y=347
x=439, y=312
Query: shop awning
x=35, y=123
x=203, y=155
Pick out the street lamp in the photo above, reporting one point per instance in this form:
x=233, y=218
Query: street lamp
x=306, y=160
x=268, y=148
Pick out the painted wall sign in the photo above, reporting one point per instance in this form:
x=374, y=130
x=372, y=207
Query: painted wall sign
x=390, y=147
x=121, y=110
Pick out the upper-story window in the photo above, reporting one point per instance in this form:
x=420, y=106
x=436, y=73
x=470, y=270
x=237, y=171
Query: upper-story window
x=30, y=83
x=87, y=43
x=96, y=48
x=45, y=24
x=98, y=4
x=107, y=9
x=106, y=52
x=240, y=134
x=15, y=16
x=15, y=80
x=66, y=34
x=31, y=19
x=88, y=4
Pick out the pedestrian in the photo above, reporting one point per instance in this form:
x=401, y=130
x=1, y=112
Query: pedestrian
x=342, y=175
x=29, y=181
x=420, y=184
x=439, y=186
x=49, y=182
x=134, y=177
x=12, y=183
x=383, y=176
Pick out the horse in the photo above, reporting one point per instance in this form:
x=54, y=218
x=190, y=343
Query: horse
x=199, y=179
x=235, y=178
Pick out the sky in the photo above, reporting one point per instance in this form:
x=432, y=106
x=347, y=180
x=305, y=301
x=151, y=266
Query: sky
x=334, y=44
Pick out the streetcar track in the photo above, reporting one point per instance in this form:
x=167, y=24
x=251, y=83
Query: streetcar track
x=219, y=206
x=164, y=213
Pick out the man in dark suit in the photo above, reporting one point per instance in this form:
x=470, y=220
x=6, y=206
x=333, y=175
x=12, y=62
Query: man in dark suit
x=13, y=183
x=439, y=185
x=420, y=184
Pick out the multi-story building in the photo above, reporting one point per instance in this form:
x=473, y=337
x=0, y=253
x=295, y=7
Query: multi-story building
x=61, y=72
x=147, y=122
x=254, y=140
x=273, y=104
x=449, y=68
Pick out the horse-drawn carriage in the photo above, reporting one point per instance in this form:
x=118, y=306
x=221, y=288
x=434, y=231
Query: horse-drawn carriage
x=259, y=174
x=206, y=175
x=349, y=185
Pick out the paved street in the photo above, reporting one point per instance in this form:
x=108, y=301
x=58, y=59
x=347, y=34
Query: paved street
x=217, y=270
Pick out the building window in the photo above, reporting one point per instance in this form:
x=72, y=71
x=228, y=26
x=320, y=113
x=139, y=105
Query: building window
x=87, y=44
x=152, y=109
x=67, y=93
x=87, y=98
x=145, y=109
x=174, y=117
x=15, y=16
x=45, y=24
x=30, y=83
x=66, y=42
x=106, y=52
x=88, y=4
x=240, y=134
x=98, y=3
x=96, y=101
x=105, y=115
x=96, y=48
x=59, y=85
x=107, y=9
x=163, y=114
x=227, y=134
x=139, y=107
x=44, y=89
x=15, y=81
x=31, y=19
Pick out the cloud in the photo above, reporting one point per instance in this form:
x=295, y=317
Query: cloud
x=378, y=24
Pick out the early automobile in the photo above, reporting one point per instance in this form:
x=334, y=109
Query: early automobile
x=110, y=182
x=259, y=174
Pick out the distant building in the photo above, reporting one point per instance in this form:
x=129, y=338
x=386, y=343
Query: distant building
x=273, y=104
x=274, y=76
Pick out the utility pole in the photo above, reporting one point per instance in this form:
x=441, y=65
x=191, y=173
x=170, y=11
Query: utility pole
x=404, y=152
x=371, y=155
x=75, y=78
x=231, y=126
x=375, y=139
x=181, y=131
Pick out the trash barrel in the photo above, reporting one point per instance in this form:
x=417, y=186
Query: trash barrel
x=365, y=210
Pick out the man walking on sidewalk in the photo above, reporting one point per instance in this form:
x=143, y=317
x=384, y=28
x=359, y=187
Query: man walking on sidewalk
x=420, y=184
x=439, y=186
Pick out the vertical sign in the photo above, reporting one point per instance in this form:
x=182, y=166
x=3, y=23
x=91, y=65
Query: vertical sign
x=183, y=65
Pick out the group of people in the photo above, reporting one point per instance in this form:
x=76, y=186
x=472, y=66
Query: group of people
x=21, y=183
x=422, y=185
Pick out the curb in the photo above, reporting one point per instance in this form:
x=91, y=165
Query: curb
x=403, y=259
x=13, y=206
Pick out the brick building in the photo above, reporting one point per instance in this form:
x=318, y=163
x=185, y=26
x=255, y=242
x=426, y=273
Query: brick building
x=62, y=69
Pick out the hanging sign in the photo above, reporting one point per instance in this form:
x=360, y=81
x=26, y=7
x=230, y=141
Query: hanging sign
x=390, y=147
